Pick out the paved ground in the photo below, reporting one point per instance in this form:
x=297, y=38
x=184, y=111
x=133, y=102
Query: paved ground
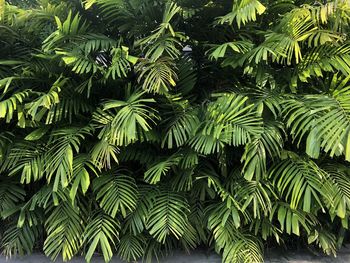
x=201, y=257
x=306, y=257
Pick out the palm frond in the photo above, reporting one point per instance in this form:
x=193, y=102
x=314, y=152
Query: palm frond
x=116, y=192
x=158, y=76
x=60, y=154
x=324, y=58
x=229, y=120
x=121, y=121
x=300, y=182
x=13, y=104
x=81, y=176
x=102, y=230
x=180, y=129
x=324, y=118
x=291, y=220
x=26, y=159
x=64, y=231
x=131, y=247
x=268, y=144
x=11, y=194
x=243, y=11
x=169, y=216
x=19, y=241
x=136, y=221
x=161, y=168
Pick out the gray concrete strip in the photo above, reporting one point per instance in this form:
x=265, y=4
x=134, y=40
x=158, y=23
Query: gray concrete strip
x=199, y=256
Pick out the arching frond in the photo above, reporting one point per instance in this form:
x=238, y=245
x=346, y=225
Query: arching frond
x=220, y=51
x=131, y=247
x=325, y=240
x=102, y=230
x=136, y=221
x=103, y=153
x=168, y=216
x=161, y=168
x=26, y=159
x=121, y=121
x=189, y=240
x=244, y=248
x=158, y=76
x=324, y=118
x=60, y=155
x=220, y=215
x=243, y=11
x=14, y=104
x=121, y=62
x=265, y=98
x=181, y=128
x=72, y=27
x=81, y=176
x=324, y=58
x=64, y=231
x=183, y=180
x=19, y=241
x=257, y=152
x=337, y=180
x=45, y=101
x=300, y=182
x=236, y=246
x=291, y=220
x=187, y=75
x=229, y=120
x=79, y=63
x=165, y=45
x=256, y=196
x=116, y=192
x=33, y=211
x=11, y=194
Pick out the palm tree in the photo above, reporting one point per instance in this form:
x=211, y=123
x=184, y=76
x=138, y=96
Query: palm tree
x=115, y=140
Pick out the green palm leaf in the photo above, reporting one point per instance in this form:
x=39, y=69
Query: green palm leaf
x=168, y=216
x=116, y=192
x=60, y=155
x=122, y=121
x=243, y=11
x=300, y=181
x=101, y=230
x=268, y=144
x=161, y=168
x=64, y=231
x=19, y=241
x=131, y=247
x=324, y=118
x=10, y=195
x=136, y=221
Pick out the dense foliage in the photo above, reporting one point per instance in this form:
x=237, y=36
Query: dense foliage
x=136, y=127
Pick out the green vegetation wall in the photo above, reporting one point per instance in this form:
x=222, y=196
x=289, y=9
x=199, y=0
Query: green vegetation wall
x=137, y=127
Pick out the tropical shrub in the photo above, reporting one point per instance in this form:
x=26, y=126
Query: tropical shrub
x=136, y=127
